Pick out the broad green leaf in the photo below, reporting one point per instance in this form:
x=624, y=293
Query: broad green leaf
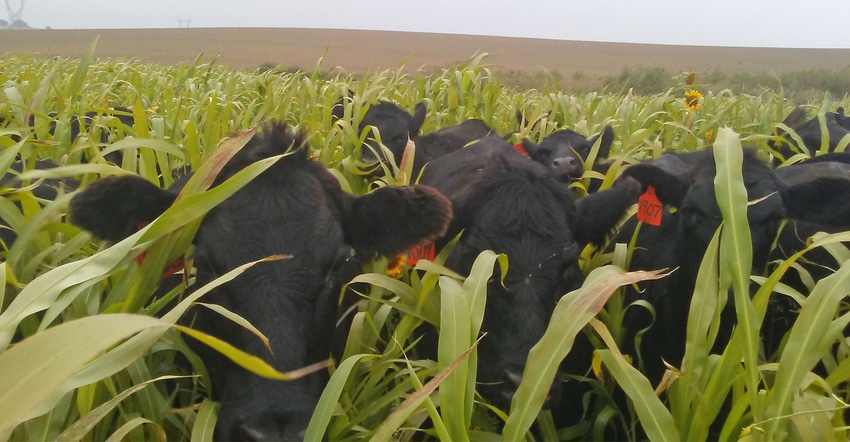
x=736, y=251
x=653, y=415
x=78, y=430
x=250, y=362
x=205, y=421
x=807, y=342
x=330, y=398
x=572, y=313
x=389, y=426
x=125, y=429
x=37, y=366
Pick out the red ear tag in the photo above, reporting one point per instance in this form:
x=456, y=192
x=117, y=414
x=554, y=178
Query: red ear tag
x=141, y=225
x=518, y=147
x=422, y=251
x=650, y=208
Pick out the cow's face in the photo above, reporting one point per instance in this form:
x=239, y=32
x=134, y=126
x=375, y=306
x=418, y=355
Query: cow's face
x=530, y=222
x=837, y=127
x=395, y=126
x=565, y=152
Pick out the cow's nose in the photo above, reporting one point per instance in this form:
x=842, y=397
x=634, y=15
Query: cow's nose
x=569, y=162
x=513, y=378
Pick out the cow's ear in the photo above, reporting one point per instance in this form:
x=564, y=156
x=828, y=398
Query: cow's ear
x=795, y=119
x=606, y=143
x=669, y=188
x=338, y=110
x=112, y=208
x=598, y=214
x=821, y=200
x=520, y=119
x=532, y=148
x=418, y=119
x=391, y=220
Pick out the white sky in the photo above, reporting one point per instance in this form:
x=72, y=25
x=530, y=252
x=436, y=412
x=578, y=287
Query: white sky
x=778, y=23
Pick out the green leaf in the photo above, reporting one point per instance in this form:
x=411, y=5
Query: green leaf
x=736, y=252
x=204, y=426
x=250, y=362
x=330, y=398
x=78, y=430
x=653, y=415
x=808, y=340
x=40, y=364
x=403, y=411
x=571, y=314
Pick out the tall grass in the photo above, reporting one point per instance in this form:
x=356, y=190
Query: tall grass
x=80, y=314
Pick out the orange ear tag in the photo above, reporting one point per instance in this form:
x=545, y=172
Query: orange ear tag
x=518, y=147
x=650, y=208
x=422, y=251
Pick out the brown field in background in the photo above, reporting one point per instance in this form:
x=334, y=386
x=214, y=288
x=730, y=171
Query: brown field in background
x=369, y=51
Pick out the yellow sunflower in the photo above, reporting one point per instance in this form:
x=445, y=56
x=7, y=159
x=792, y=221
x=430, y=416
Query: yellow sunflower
x=395, y=265
x=692, y=98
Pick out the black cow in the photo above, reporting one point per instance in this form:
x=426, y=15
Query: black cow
x=396, y=126
x=506, y=203
x=44, y=191
x=686, y=181
x=823, y=206
x=837, y=127
x=295, y=208
x=565, y=152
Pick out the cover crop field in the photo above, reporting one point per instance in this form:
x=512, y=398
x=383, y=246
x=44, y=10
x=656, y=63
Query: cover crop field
x=88, y=353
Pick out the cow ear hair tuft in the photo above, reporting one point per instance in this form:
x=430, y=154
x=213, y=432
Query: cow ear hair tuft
x=338, y=110
x=669, y=188
x=391, y=220
x=794, y=120
x=606, y=143
x=113, y=207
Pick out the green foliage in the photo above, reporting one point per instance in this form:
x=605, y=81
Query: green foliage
x=67, y=378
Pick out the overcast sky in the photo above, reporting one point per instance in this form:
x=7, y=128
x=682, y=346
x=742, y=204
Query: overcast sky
x=777, y=23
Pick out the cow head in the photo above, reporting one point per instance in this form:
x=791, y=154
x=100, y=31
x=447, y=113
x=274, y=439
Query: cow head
x=295, y=208
x=565, y=151
x=395, y=126
x=686, y=181
x=510, y=205
x=809, y=131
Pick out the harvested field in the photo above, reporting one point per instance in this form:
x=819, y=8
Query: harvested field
x=363, y=51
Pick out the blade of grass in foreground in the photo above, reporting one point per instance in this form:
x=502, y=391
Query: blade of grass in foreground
x=389, y=426
x=36, y=366
x=736, y=253
x=330, y=397
x=80, y=428
x=808, y=340
x=654, y=417
x=571, y=314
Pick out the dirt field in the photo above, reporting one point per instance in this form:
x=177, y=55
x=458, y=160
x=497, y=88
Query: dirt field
x=361, y=51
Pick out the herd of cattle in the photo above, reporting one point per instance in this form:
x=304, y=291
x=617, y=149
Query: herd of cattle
x=512, y=199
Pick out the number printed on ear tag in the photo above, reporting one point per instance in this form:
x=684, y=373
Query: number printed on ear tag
x=649, y=207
